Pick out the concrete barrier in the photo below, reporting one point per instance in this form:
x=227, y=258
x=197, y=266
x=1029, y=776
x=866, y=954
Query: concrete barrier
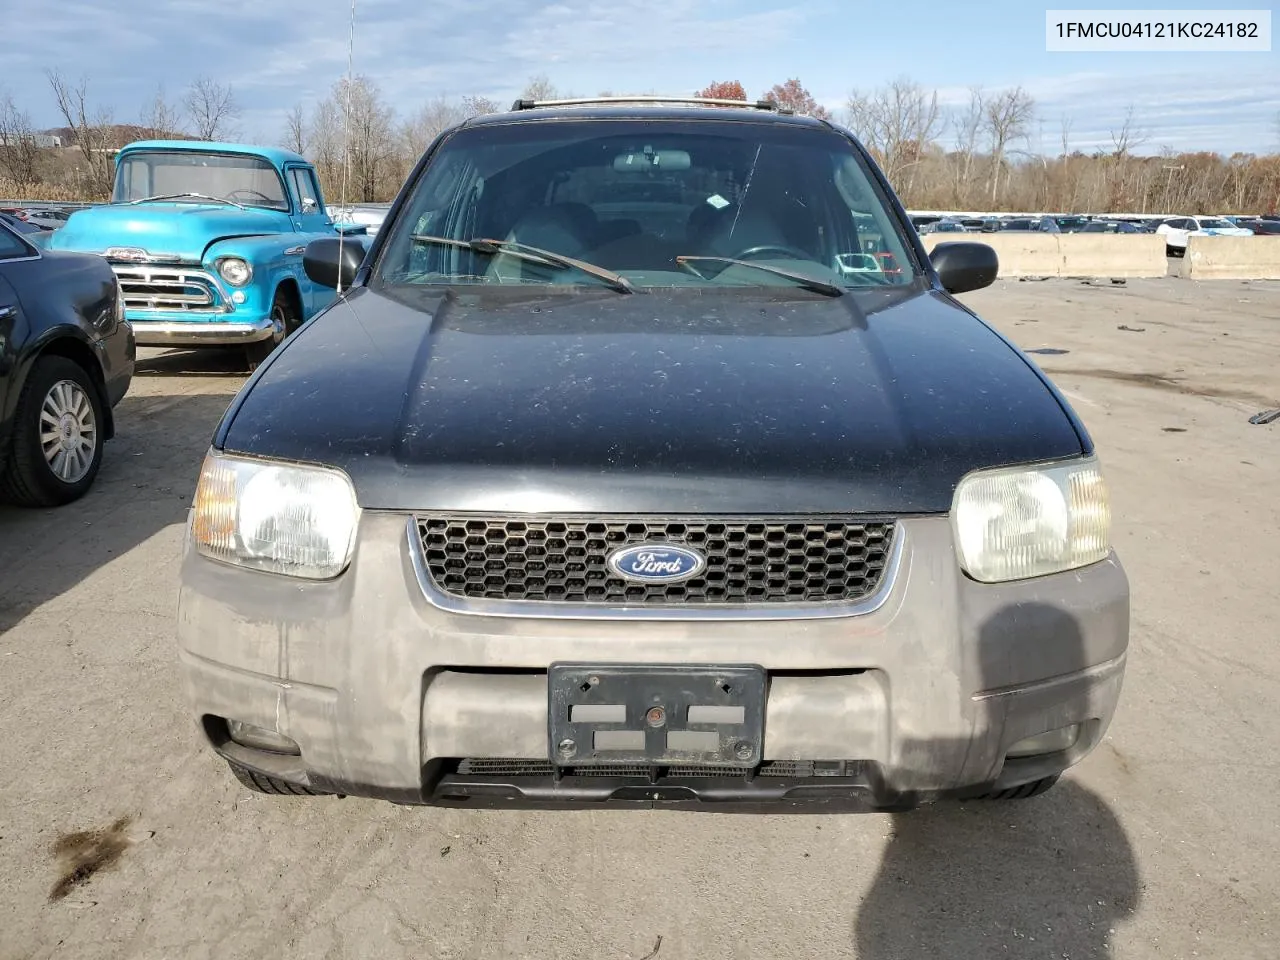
x=1232, y=258
x=1021, y=254
x=1069, y=254
x=1112, y=255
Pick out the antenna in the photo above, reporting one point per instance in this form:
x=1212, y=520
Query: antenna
x=346, y=123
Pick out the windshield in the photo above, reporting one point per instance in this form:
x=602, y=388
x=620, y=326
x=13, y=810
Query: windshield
x=1212, y=223
x=248, y=181
x=645, y=199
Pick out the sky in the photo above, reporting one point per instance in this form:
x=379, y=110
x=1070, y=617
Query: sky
x=275, y=53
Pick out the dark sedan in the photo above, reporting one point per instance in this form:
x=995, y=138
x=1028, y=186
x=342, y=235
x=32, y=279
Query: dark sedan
x=66, y=360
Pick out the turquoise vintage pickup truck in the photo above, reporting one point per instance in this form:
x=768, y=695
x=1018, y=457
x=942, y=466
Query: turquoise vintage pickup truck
x=207, y=240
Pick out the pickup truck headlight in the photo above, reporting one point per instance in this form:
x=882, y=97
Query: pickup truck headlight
x=278, y=517
x=1021, y=522
x=235, y=271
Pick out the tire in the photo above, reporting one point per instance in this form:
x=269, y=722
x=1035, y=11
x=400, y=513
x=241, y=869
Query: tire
x=261, y=783
x=62, y=395
x=285, y=312
x=1023, y=791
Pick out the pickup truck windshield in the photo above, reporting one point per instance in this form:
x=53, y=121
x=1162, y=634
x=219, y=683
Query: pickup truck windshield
x=238, y=178
x=662, y=203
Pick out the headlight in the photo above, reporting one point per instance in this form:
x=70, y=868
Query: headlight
x=119, y=303
x=235, y=271
x=281, y=518
x=1030, y=521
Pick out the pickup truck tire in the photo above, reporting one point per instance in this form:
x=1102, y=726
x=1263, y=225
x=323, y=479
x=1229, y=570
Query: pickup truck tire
x=61, y=392
x=285, y=311
x=262, y=783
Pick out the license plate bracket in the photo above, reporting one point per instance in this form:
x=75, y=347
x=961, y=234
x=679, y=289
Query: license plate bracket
x=658, y=714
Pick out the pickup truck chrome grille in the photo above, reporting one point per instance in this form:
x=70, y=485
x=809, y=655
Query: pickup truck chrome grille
x=564, y=560
x=169, y=288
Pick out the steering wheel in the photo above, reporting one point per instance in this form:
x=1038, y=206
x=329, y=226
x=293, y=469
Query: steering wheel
x=232, y=195
x=792, y=253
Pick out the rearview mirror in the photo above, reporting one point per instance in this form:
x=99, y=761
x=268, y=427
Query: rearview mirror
x=639, y=161
x=323, y=265
x=964, y=266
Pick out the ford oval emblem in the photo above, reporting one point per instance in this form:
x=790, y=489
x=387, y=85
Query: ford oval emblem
x=657, y=563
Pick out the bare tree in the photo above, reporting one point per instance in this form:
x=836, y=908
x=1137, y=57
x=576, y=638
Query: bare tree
x=968, y=126
x=540, y=88
x=295, y=136
x=212, y=108
x=478, y=106
x=1008, y=115
x=368, y=139
x=899, y=123
x=92, y=130
x=432, y=118
x=160, y=118
x=19, y=151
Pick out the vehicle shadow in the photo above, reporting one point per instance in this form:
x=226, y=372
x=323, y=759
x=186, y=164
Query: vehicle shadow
x=204, y=362
x=148, y=475
x=1049, y=876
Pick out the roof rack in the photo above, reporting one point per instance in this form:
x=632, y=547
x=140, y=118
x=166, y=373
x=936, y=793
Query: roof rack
x=769, y=105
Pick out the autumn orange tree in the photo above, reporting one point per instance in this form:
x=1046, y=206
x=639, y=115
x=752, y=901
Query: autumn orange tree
x=723, y=90
x=793, y=96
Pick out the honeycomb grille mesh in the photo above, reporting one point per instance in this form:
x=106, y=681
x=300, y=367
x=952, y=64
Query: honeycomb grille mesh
x=768, y=560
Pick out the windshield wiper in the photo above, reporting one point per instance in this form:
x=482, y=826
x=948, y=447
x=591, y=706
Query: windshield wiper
x=522, y=251
x=179, y=196
x=806, y=281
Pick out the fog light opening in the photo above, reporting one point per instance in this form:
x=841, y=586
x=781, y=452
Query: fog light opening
x=260, y=738
x=1052, y=741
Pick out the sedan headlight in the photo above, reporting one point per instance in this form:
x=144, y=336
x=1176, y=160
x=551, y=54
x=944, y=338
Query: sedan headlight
x=235, y=271
x=282, y=518
x=1023, y=522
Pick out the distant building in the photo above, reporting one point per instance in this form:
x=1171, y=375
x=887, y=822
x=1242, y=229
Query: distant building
x=39, y=139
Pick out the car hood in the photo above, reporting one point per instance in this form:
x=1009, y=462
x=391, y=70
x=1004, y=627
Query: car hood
x=688, y=401
x=181, y=230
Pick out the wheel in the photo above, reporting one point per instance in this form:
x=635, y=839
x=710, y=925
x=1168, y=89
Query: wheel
x=261, y=783
x=1023, y=791
x=57, y=436
x=284, y=321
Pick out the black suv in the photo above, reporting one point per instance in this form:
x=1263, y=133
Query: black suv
x=647, y=458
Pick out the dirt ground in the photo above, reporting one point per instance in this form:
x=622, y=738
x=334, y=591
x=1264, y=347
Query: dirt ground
x=1165, y=843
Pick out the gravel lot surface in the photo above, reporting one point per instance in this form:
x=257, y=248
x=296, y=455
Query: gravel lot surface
x=1165, y=843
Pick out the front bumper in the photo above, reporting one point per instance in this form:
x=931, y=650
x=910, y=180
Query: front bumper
x=917, y=695
x=198, y=333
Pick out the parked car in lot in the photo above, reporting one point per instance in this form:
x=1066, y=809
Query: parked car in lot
x=1176, y=230
x=66, y=360
x=1030, y=225
x=207, y=240
x=19, y=225
x=1109, y=226
x=1259, y=227
x=575, y=499
x=945, y=226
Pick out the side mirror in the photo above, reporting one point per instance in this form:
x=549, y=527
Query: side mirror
x=309, y=205
x=965, y=266
x=322, y=264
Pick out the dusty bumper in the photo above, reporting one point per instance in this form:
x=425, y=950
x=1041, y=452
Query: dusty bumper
x=189, y=333
x=921, y=696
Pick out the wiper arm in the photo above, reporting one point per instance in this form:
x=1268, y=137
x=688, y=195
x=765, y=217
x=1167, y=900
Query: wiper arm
x=806, y=281
x=179, y=196
x=522, y=251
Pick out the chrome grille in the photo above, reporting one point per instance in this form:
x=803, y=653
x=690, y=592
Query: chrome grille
x=169, y=288
x=757, y=560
